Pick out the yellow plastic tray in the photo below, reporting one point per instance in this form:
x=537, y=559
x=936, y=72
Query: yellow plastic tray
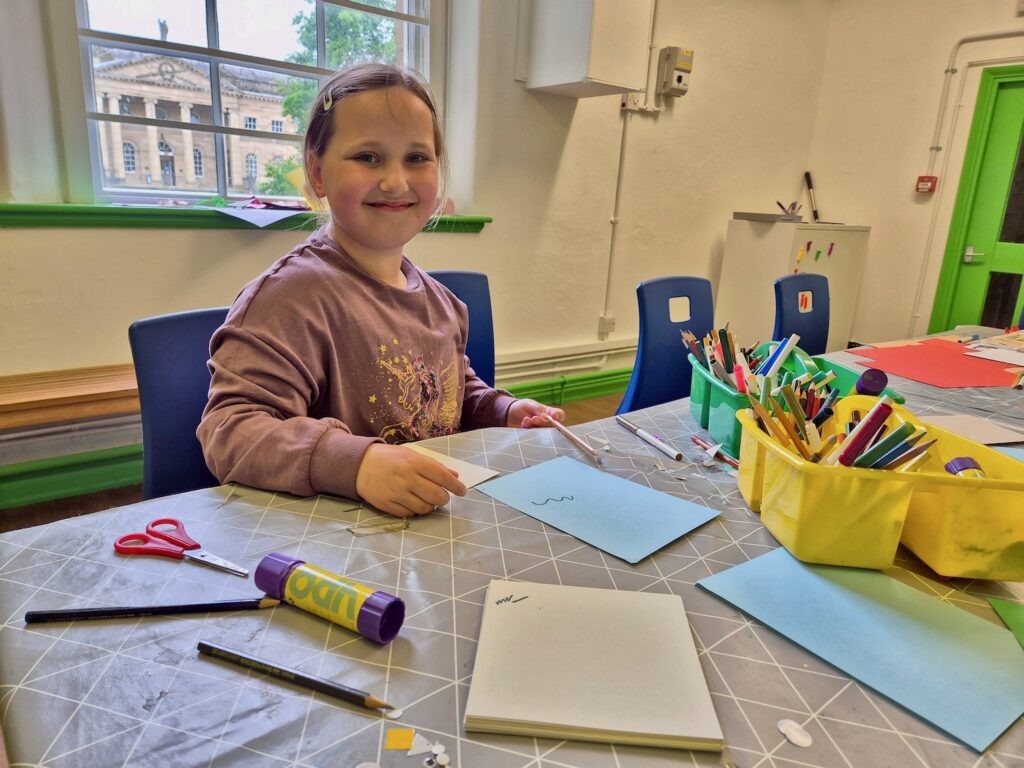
x=823, y=514
x=968, y=527
x=960, y=527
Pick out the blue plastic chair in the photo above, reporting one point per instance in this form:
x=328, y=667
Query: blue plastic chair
x=170, y=354
x=812, y=326
x=662, y=370
x=472, y=289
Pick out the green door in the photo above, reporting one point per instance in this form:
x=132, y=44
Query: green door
x=983, y=267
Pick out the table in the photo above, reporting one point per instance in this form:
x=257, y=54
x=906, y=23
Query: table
x=134, y=692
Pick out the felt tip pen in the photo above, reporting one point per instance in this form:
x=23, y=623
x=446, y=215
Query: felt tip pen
x=650, y=439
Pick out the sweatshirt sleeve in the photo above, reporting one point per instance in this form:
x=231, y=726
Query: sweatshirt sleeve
x=482, y=405
x=255, y=430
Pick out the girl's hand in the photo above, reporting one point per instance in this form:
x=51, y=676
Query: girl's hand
x=530, y=413
x=404, y=483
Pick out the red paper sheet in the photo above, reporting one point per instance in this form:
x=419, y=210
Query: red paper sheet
x=939, y=363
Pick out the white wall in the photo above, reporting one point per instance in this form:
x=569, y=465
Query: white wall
x=847, y=88
x=877, y=113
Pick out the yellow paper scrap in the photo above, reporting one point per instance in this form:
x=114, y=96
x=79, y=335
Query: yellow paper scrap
x=399, y=738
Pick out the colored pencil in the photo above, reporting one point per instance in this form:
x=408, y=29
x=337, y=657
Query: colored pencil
x=718, y=453
x=577, y=441
x=318, y=684
x=126, y=612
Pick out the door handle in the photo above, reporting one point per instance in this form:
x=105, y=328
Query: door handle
x=971, y=256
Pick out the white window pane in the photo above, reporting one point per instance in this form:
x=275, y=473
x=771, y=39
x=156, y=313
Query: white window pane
x=271, y=29
x=252, y=98
x=258, y=166
x=150, y=85
x=141, y=157
x=179, y=21
x=409, y=7
x=354, y=36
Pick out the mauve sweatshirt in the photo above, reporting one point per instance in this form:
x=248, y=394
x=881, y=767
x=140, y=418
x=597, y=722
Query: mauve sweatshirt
x=317, y=360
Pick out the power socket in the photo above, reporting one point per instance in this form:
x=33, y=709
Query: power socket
x=605, y=326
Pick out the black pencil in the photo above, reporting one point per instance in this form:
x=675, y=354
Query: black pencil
x=123, y=612
x=318, y=684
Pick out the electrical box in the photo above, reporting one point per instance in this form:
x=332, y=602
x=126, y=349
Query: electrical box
x=585, y=48
x=674, y=68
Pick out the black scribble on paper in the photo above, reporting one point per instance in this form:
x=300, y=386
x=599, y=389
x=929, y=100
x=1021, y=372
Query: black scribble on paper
x=509, y=599
x=542, y=503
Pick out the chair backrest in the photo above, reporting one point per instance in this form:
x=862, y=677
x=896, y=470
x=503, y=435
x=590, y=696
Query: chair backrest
x=170, y=354
x=662, y=371
x=473, y=290
x=809, y=320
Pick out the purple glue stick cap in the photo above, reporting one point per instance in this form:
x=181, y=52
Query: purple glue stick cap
x=272, y=573
x=381, y=617
x=872, y=382
x=959, y=464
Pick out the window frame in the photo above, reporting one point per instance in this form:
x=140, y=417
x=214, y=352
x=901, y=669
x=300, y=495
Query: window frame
x=435, y=56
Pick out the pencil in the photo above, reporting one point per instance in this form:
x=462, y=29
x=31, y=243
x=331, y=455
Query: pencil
x=577, y=441
x=718, y=454
x=124, y=612
x=318, y=684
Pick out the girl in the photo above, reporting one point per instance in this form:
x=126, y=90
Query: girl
x=344, y=349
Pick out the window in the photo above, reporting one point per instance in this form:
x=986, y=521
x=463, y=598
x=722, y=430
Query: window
x=207, y=73
x=128, y=153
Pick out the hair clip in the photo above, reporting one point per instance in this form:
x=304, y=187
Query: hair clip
x=328, y=101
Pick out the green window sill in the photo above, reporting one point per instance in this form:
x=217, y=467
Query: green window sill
x=133, y=217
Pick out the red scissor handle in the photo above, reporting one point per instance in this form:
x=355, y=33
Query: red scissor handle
x=176, y=534
x=144, y=544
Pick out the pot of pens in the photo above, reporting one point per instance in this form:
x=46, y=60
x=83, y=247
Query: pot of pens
x=720, y=368
x=837, y=491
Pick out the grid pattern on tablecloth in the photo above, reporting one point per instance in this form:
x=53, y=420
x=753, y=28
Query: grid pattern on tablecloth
x=134, y=692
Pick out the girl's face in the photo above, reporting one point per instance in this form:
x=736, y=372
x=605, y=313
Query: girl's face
x=378, y=171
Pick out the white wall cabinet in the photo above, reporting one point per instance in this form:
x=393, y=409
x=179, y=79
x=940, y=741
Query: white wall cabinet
x=757, y=253
x=588, y=47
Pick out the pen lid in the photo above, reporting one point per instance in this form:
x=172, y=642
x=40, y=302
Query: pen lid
x=380, y=617
x=273, y=571
x=872, y=382
x=960, y=463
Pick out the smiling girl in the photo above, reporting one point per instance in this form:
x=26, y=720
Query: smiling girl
x=344, y=349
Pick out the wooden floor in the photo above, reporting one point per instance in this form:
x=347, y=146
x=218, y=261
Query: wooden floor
x=578, y=412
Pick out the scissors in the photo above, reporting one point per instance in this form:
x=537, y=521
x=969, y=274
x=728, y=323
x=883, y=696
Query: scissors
x=172, y=542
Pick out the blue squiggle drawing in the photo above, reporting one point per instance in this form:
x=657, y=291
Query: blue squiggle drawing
x=542, y=503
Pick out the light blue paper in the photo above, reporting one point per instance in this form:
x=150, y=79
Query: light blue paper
x=959, y=672
x=624, y=519
x=1016, y=451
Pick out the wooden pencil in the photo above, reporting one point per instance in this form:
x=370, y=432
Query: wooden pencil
x=577, y=441
x=125, y=612
x=318, y=684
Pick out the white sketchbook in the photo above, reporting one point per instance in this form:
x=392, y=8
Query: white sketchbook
x=589, y=664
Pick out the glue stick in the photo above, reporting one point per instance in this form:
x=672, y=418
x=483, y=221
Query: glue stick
x=368, y=611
